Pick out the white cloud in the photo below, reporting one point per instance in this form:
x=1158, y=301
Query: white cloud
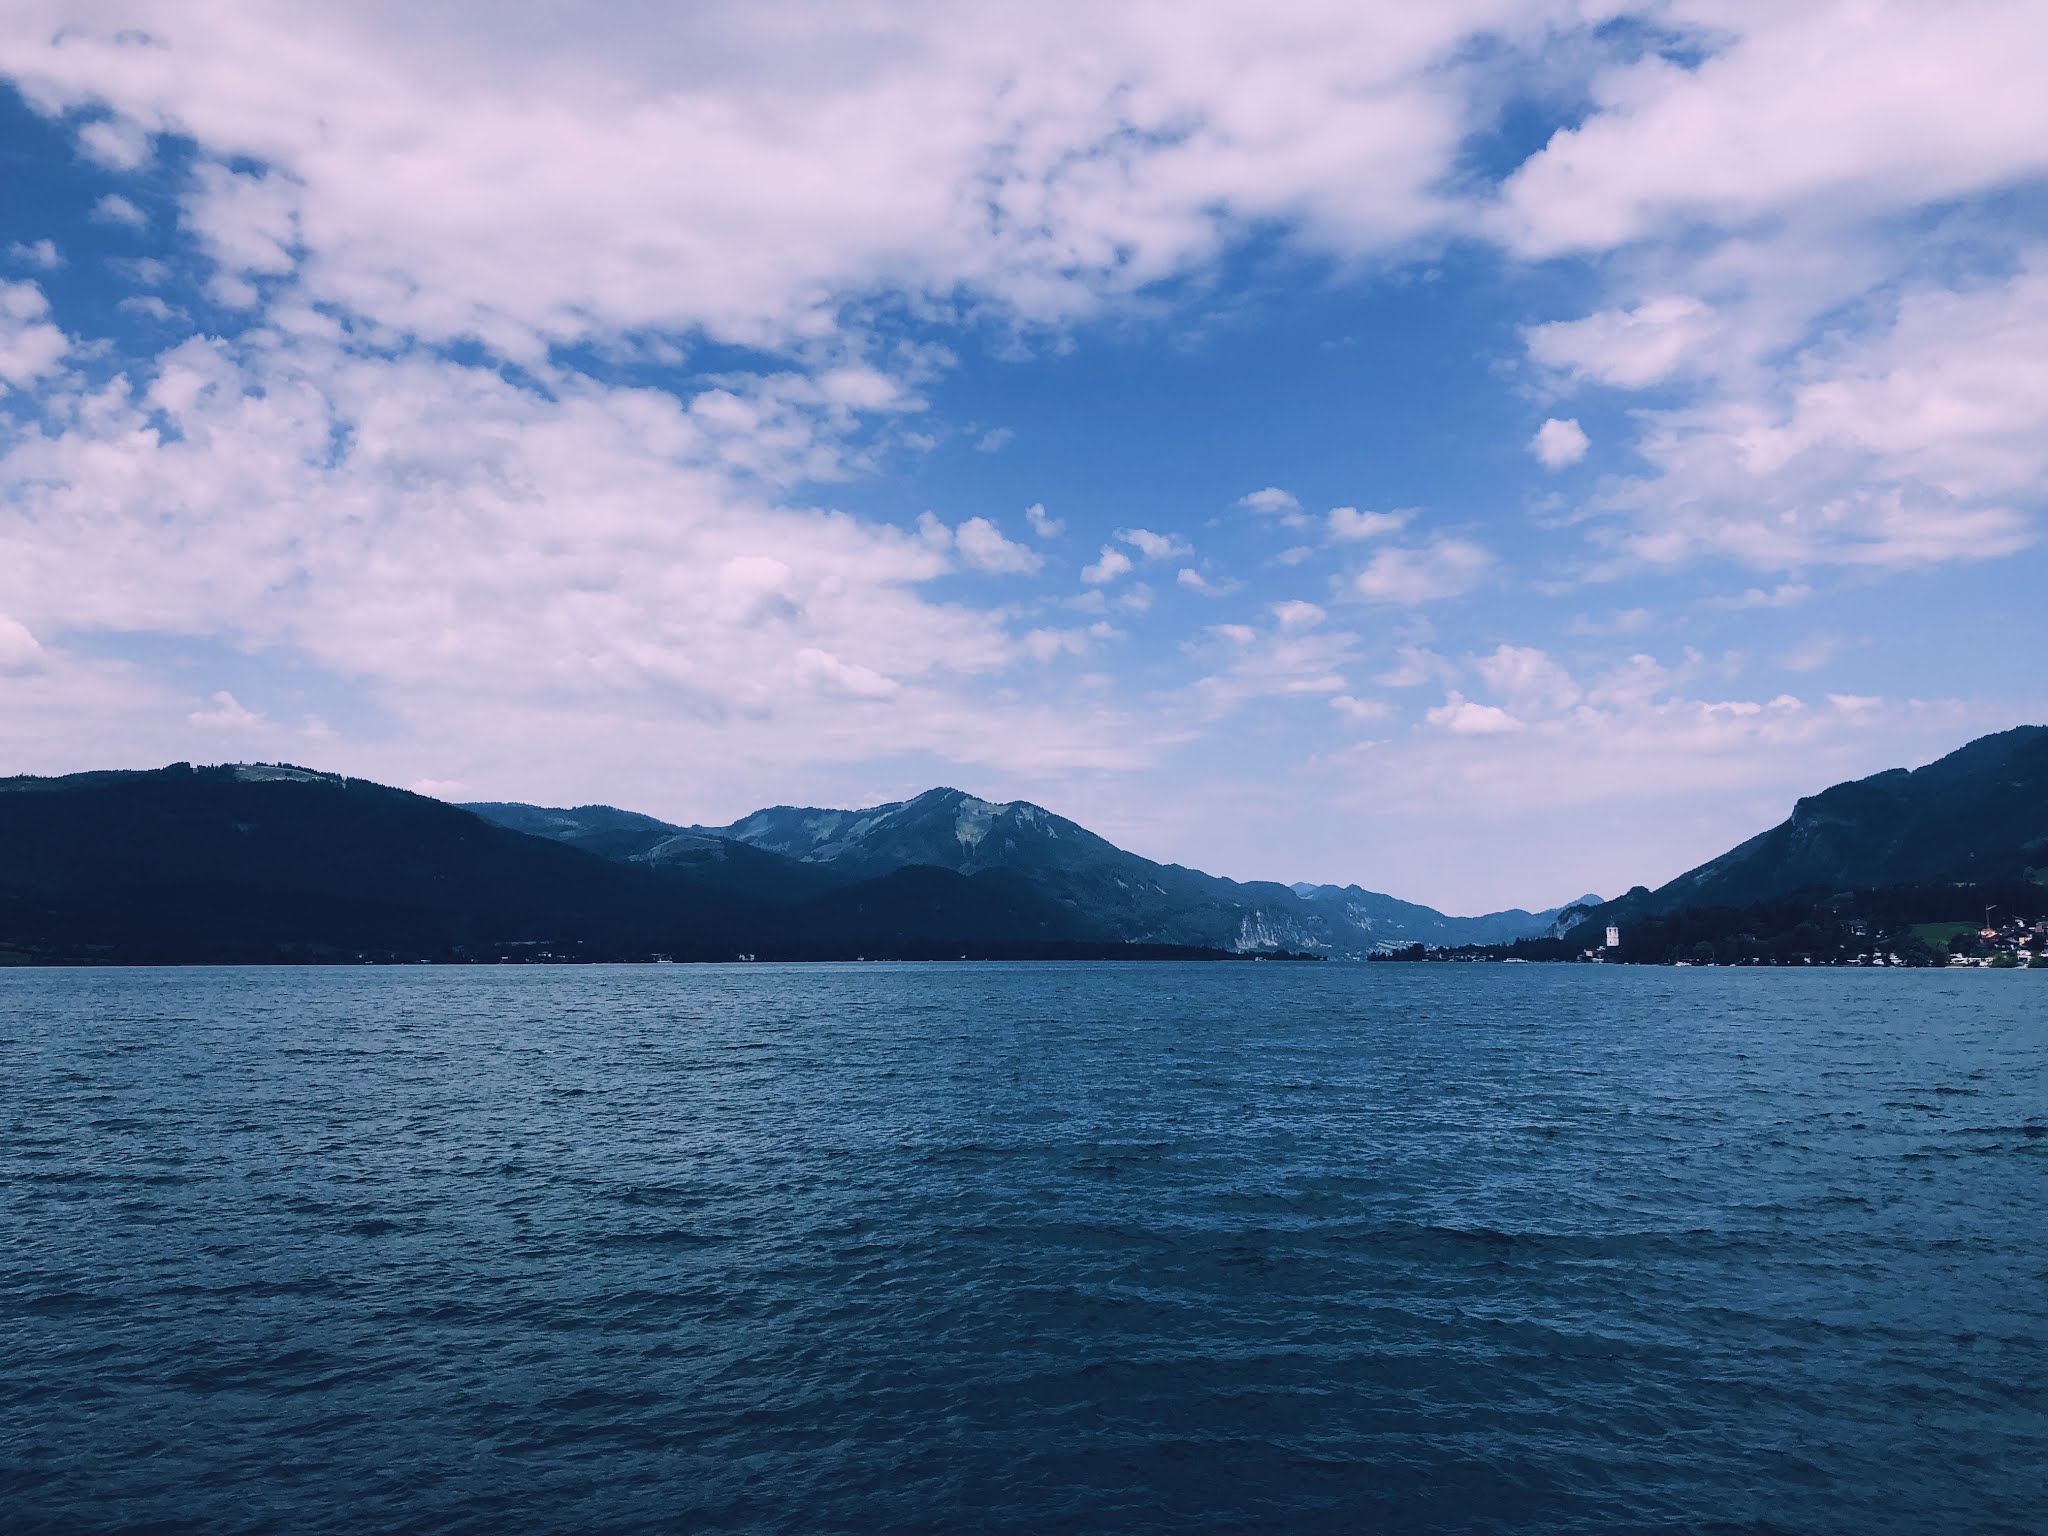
x=1414, y=666
x=1461, y=717
x=227, y=714
x=508, y=575
x=1559, y=444
x=19, y=650
x=116, y=209
x=118, y=143
x=1042, y=524
x=1295, y=614
x=1786, y=594
x=1361, y=711
x=789, y=426
x=228, y=291
x=1195, y=581
x=43, y=255
x=1446, y=567
x=1112, y=564
x=510, y=565
x=1155, y=546
x=1633, y=734
x=1597, y=740
x=1916, y=441
x=1272, y=501
x=31, y=347
x=1350, y=523
x=982, y=545
x=145, y=270
x=829, y=674
x=1629, y=348
x=1288, y=660
x=1832, y=107
x=150, y=307
x=1044, y=644
x=861, y=388
x=1527, y=679
x=995, y=440
x=445, y=174
x=1802, y=242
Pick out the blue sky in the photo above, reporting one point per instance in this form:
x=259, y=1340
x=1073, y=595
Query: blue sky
x=1487, y=452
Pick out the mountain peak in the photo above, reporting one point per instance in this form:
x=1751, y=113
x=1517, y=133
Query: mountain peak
x=946, y=795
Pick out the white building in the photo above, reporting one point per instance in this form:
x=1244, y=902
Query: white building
x=1613, y=937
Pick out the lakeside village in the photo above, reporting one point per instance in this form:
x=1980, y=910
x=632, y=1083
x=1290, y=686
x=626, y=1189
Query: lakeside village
x=1775, y=936
x=2016, y=944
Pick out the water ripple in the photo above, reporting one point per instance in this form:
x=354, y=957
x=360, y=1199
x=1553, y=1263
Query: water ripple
x=1023, y=1249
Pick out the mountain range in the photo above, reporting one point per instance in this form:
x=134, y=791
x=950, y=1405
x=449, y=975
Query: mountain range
x=260, y=862
x=255, y=862
x=1102, y=890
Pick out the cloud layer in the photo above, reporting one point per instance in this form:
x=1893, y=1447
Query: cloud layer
x=476, y=394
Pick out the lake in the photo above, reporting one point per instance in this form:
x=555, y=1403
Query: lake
x=1024, y=1248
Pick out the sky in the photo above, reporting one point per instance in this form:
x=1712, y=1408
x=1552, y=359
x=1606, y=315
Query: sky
x=1489, y=451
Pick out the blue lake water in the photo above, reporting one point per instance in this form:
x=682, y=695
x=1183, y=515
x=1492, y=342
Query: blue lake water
x=1024, y=1249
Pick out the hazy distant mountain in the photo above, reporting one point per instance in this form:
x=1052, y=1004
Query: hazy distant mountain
x=1370, y=912
x=1978, y=815
x=1101, y=889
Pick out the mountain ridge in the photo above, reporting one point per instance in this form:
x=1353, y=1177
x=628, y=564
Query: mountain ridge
x=1977, y=814
x=1104, y=888
x=274, y=861
x=261, y=863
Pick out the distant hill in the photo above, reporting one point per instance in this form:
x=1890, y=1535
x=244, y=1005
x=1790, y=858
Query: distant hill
x=1978, y=815
x=1098, y=889
x=1405, y=922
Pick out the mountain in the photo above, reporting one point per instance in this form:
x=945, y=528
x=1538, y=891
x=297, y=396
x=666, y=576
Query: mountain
x=1978, y=815
x=258, y=862
x=1099, y=889
x=1092, y=876
x=1405, y=922
x=268, y=862
x=263, y=862
x=699, y=857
